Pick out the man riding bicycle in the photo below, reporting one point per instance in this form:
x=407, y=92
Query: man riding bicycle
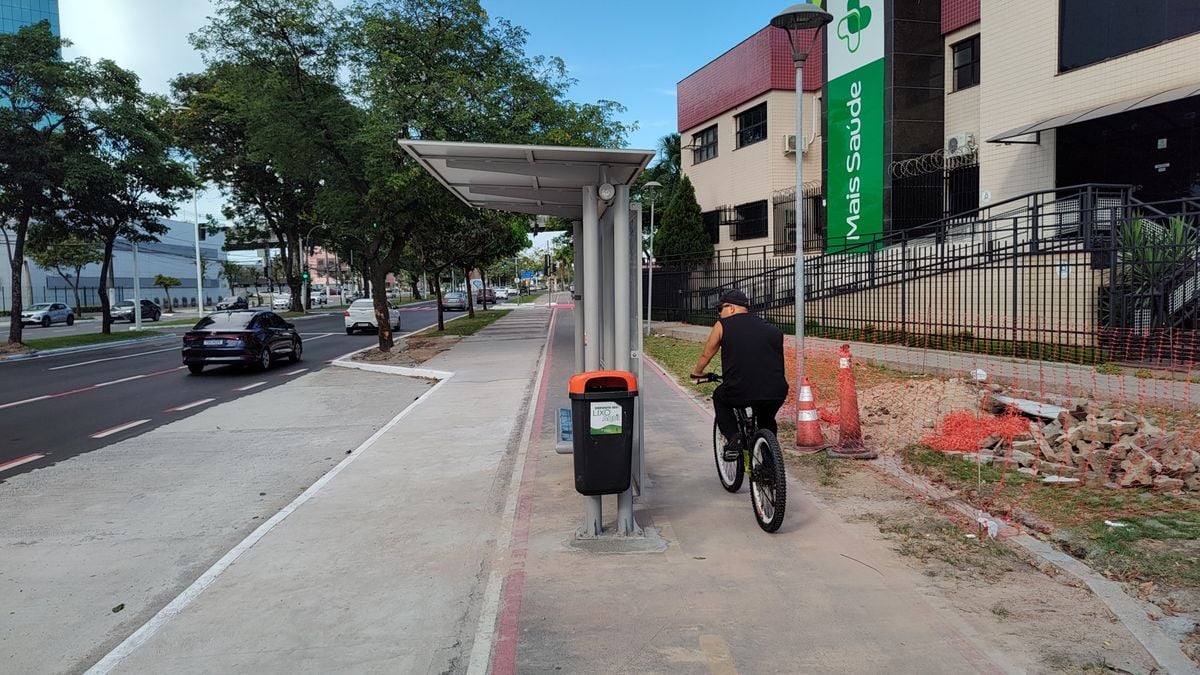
x=752, y=365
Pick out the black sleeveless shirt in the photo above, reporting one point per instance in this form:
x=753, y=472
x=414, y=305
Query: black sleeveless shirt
x=752, y=359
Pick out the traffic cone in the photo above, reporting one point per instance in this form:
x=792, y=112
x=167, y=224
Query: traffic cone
x=850, y=441
x=808, y=421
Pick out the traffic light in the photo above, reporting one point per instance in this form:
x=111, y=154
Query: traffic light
x=304, y=275
x=546, y=265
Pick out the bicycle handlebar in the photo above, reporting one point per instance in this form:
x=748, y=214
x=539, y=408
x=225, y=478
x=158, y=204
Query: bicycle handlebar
x=707, y=377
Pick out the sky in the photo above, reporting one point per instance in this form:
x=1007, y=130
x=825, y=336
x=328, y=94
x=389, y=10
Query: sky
x=629, y=51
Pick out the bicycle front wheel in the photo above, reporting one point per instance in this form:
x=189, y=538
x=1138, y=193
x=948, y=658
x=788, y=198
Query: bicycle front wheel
x=730, y=473
x=768, y=481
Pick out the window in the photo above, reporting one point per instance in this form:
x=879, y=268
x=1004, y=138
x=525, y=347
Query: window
x=712, y=225
x=750, y=220
x=704, y=145
x=752, y=125
x=1091, y=31
x=966, y=63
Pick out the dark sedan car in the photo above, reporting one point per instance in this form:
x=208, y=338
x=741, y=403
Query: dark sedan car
x=454, y=300
x=123, y=311
x=485, y=296
x=233, y=302
x=255, y=337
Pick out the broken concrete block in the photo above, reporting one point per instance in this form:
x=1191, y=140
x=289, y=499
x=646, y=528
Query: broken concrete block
x=1053, y=469
x=1028, y=471
x=1021, y=458
x=1168, y=483
x=1181, y=463
x=1192, y=482
x=990, y=441
x=1138, y=470
x=1121, y=428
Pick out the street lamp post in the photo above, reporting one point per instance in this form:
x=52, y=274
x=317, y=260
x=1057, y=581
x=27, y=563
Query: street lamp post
x=652, y=188
x=304, y=301
x=199, y=267
x=802, y=16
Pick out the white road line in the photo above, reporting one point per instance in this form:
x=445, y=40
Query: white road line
x=123, y=379
x=19, y=461
x=181, y=601
x=119, y=428
x=114, y=358
x=187, y=406
x=297, y=372
x=28, y=400
x=250, y=386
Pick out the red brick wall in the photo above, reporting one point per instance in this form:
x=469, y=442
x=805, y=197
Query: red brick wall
x=959, y=13
x=760, y=63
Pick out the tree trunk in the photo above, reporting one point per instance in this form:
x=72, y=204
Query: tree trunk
x=75, y=290
x=471, y=295
x=17, y=264
x=168, y=294
x=416, y=293
x=105, y=266
x=437, y=286
x=383, y=315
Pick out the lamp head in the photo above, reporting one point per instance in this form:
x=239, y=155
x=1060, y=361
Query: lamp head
x=606, y=191
x=652, y=185
x=801, y=16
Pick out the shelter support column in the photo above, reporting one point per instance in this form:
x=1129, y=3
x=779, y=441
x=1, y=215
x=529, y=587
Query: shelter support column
x=576, y=295
x=593, y=521
x=622, y=265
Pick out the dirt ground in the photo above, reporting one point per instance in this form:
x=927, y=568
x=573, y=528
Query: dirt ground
x=1050, y=622
x=7, y=349
x=412, y=351
x=899, y=413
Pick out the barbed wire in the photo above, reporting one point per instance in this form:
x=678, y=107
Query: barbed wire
x=934, y=162
x=812, y=188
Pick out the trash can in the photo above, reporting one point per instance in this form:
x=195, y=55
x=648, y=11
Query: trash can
x=602, y=420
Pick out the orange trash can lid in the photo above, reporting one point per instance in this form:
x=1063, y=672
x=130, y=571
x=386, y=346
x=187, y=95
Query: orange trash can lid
x=602, y=380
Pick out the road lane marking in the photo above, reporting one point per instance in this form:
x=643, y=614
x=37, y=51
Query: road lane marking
x=250, y=386
x=123, y=379
x=181, y=601
x=297, y=372
x=319, y=337
x=187, y=406
x=113, y=358
x=28, y=400
x=12, y=464
x=119, y=428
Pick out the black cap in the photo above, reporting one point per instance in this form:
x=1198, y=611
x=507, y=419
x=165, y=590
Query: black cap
x=732, y=296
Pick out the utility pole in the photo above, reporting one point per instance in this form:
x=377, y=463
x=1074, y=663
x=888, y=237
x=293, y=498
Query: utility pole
x=137, y=290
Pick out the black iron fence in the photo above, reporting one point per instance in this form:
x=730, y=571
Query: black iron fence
x=1083, y=274
x=784, y=204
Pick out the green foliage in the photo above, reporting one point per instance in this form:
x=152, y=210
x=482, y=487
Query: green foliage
x=1151, y=256
x=682, y=232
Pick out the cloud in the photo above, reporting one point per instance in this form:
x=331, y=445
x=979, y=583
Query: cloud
x=665, y=92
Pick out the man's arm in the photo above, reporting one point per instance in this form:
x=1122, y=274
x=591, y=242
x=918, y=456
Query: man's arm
x=711, y=345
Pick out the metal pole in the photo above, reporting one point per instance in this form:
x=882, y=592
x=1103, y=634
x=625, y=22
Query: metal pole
x=623, y=267
x=593, y=523
x=577, y=294
x=799, y=59
x=137, y=290
x=199, y=268
x=650, y=265
x=608, y=351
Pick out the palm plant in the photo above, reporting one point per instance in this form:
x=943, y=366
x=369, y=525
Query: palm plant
x=1153, y=261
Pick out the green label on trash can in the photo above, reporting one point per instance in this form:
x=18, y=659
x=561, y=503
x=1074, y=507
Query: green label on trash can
x=606, y=418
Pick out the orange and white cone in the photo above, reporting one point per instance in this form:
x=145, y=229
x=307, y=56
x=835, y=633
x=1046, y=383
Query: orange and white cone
x=808, y=421
x=850, y=441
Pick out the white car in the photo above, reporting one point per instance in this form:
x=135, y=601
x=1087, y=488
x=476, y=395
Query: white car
x=361, y=316
x=283, y=302
x=46, y=313
x=501, y=293
x=319, y=298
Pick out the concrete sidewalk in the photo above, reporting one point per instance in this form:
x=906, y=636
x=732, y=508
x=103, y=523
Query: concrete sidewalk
x=1041, y=377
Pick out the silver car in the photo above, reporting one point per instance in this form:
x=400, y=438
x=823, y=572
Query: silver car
x=46, y=313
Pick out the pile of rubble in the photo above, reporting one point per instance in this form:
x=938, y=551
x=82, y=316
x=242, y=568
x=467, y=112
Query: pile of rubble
x=1097, y=446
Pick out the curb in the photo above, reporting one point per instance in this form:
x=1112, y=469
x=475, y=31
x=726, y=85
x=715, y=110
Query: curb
x=83, y=348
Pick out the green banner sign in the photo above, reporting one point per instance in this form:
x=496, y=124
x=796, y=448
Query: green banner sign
x=855, y=98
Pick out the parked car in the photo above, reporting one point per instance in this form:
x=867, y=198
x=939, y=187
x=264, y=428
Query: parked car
x=233, y=302
x=283, y=302
x=484, y=296
x=361, y=316
x=501, y=292
x=123, y=311
x=247, y=337
x=319, y=298
x=46, y=313
x=454, y=300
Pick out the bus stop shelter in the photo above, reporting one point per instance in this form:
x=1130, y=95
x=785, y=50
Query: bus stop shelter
x=590, y=187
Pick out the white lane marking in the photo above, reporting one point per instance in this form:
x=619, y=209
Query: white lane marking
x=28, y=400
x=188, y=406
x=322, y=336
x=297, y=372
x=19, y=461
x=119, y=428
x=123, y=379
x=181, y=601
x=113, y=358
x=250, y=386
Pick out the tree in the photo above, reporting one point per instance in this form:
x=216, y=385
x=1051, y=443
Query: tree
x=67, y=257
x=683, y=232
x=234, y=274
x=40, y=133
x=167, y=283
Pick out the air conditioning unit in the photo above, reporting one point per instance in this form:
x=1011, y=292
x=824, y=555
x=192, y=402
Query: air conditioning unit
x=960, y=144
x=789, y=144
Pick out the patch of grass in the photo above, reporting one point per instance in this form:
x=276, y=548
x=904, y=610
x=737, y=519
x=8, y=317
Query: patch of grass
x=679, y=357
x=89, y=339
x=934, y=537
x=1109, y=369
x=470, y=325
x=1143, y=374
x=527, y=298
x=829, y=470
x=1161, y=540
x=1001, y=611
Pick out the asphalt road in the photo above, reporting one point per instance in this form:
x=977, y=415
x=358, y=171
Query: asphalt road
x=58, y=406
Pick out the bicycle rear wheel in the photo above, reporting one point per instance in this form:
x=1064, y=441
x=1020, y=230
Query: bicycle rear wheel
x=730, y=473
x=768, y=481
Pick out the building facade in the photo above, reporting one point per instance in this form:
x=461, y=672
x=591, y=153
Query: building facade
x=17, y=13
x=980, y=102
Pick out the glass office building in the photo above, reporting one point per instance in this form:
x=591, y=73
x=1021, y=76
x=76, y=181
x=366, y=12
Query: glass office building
x=17, y=13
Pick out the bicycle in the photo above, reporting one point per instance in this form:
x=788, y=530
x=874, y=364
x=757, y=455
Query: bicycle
x=762, y=461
